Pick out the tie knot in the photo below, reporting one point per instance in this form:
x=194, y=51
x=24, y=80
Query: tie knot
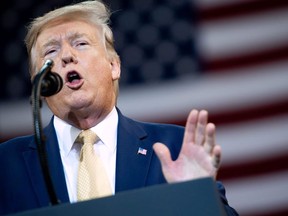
x=88, y=137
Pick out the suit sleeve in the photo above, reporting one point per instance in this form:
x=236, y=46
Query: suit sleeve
x=229, y=210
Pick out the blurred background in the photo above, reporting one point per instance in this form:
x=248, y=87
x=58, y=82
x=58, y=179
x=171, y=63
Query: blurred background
x=229, y=57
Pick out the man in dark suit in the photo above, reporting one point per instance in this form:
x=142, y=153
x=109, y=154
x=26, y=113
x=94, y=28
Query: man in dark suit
x=79, y=41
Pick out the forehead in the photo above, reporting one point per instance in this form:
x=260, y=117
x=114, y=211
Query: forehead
x=66, y=29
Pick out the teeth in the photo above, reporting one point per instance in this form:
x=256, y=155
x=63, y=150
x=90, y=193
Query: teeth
x=73, y=76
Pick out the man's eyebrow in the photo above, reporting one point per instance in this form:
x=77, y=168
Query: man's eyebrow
x=50, y=43
x=71, y=37
x=76, y=35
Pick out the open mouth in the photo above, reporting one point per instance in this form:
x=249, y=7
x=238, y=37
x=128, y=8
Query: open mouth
x=74, y=80
x=73, y=77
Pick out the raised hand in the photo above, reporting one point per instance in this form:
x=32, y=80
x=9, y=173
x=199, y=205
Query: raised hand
x=199, y=155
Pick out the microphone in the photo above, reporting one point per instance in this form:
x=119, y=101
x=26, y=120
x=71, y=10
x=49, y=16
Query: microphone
x=51, y=83
x=45, y=83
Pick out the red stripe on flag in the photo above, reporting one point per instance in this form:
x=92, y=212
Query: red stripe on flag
x=255, y=58
x=251, y=168
x=240, y=8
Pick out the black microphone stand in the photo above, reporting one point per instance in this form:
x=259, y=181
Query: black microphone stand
x=39, y=137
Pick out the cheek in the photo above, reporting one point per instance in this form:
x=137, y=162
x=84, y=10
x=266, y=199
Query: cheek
x=55, y=99
x=102, y=71
x=57, y=67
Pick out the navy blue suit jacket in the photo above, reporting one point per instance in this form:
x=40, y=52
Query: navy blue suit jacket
x=22, y=185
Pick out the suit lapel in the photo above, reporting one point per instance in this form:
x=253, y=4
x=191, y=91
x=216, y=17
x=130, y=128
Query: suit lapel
x=35, y=173
x=131, y=167
x=55, y=166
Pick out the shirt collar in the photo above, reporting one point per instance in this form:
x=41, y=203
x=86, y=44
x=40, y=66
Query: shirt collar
x=106, y=130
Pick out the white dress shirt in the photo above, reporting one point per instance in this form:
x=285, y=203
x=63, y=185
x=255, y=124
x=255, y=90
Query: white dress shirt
x=105, y=148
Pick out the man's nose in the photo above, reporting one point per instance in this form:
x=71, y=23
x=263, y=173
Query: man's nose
x=68, y=57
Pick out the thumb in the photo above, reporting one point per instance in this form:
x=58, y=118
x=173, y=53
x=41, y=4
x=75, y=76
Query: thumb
x=162, y=153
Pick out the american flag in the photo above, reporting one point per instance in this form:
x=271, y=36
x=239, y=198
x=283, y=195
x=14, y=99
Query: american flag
x=238, y=71
x=142, y=151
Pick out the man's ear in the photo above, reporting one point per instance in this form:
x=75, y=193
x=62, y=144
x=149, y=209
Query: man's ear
x=116, y=70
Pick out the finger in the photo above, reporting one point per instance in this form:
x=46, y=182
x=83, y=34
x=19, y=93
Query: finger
x=201, y=127
x=163, y=154
x=190, y=128
x=209, y=138
x=216, y=156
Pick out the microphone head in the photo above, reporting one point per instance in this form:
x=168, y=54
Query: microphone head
x=48, y=63
x=51, y=84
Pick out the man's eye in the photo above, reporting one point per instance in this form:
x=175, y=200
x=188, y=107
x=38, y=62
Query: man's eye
x=50, y=51
x=81, y=43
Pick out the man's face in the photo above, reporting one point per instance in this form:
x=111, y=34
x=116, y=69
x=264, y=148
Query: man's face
x=80, y=58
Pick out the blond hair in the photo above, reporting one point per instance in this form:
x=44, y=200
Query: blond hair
x=94, y=12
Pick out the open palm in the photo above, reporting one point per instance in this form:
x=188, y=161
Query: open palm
x=199, y=155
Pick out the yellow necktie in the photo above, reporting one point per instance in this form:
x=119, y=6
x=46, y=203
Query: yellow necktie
x=92, y=178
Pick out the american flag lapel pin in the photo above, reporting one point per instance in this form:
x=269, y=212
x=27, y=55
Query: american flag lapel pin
x=142, y=151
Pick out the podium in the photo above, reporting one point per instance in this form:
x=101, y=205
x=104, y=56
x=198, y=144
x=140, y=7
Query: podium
x=192, y=198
